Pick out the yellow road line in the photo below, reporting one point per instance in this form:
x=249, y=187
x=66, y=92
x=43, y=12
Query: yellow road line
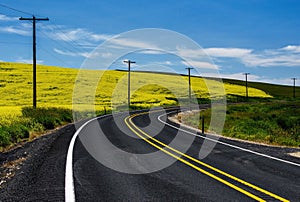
x=201, y=163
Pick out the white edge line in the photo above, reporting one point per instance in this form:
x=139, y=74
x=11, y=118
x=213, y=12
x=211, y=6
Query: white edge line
x=69, y=181
x=226, y=144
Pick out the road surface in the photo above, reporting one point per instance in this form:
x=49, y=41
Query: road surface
x=228, y=173
x=144, y=157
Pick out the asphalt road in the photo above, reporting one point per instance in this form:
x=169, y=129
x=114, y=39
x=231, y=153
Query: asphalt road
x=138, y=157
x=124, y=171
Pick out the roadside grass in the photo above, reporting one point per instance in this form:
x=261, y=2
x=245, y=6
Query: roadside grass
x=276, y=123
x=30, y=123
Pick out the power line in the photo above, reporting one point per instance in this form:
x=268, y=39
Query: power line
x=51, y=54
x=9, y=42
x=74, y=50
x=61, y=36
x=12, y=16
x=14, y=9
x=68, y=38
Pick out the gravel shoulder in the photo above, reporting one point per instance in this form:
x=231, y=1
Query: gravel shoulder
x=21, y=167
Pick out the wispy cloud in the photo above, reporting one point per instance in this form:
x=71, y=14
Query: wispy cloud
x=78, y=35
x=200, y=64
x=81, y=54
x=292, y=48
x=287, y=56
x=151, y=52
x=167, y=62
x=14, y=30
x=67, y=53
x=7, y=18
x=132, y=43
x=228, y=52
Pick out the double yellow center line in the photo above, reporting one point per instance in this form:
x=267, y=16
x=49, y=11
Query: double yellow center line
x=196, y=163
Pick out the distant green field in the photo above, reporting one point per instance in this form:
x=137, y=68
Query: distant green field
x=278, y=91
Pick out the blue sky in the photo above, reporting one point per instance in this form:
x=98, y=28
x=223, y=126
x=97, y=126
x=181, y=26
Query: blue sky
x=257, y=36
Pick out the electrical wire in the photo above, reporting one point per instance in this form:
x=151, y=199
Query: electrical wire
x=14, y=9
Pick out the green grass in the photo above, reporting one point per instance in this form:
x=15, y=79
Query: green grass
x=275, y=123
x=17, y=127
x=278, y=91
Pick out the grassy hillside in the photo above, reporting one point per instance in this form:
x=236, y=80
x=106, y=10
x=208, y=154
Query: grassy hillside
x=55, y=87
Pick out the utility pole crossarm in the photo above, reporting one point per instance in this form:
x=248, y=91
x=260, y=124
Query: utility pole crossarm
x=34, y=18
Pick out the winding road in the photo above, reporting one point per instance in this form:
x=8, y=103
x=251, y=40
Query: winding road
x=126, y=170
x=142, y=156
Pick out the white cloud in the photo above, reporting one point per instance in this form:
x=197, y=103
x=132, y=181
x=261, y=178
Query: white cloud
x=292, y=48
x=287, y=56
x=106, y=55
x=69, y=35
x=78, y=35
x=190, y=53
x=100, y=37
x=167, y=62
x=227, y=52
x=81, y=54
x=13, y=30
x=68, y=53
x=151, y=52
x=200, y=64
x=7, y=18
x=127, y=42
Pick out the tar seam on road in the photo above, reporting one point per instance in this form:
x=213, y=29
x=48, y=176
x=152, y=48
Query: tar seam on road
x=148, y=138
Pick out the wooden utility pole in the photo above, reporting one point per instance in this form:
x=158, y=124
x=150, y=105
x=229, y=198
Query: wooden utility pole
x=246, y=74
x=34, y=19
x=189, y=74
x=128, y=62
x=294, y=90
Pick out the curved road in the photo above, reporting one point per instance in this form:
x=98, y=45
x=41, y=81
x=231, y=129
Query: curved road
x=233, y=171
